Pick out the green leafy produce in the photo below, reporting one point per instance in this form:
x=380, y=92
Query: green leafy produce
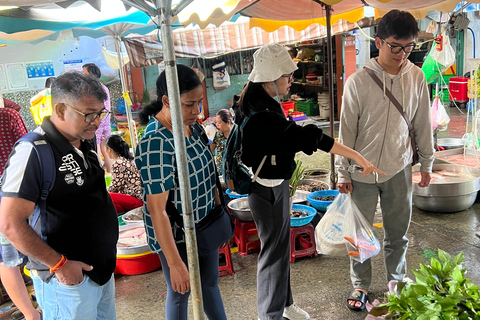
x=140, y=132
x=297, y=176
x=441, y=291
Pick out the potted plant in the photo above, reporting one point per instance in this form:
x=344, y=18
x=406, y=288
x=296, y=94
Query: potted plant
x=441, y=291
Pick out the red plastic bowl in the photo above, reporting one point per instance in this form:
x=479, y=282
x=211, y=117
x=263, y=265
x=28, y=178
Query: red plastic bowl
x=137, y=264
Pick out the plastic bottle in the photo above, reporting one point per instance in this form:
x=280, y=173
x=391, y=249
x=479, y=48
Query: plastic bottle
x=10, y=255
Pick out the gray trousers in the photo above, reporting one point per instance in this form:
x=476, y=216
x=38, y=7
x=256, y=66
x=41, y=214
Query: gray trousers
x=271, y=211
x=396, y=204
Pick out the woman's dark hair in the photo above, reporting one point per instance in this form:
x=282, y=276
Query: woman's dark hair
x=225, y=115
x=293, y=52
x=254, y=98
x=119, y=146
x=49, y=82
x=93, y=69
x=397, y=24
x=187, y=81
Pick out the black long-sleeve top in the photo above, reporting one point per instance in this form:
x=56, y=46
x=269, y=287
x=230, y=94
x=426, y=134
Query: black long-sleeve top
x=269, y=133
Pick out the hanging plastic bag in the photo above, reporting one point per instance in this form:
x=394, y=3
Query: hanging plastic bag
x=360, y=241
x=446, y=57
x=434, y=113
x=438, y=61
x=442, y=117
x=221, y=78
x=330, y=231
x=344, y=230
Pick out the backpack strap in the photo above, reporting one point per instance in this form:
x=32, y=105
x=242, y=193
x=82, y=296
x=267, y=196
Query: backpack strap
x=255, y=176
x=47, y=166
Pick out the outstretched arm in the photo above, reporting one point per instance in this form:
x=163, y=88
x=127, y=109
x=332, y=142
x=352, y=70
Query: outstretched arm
x=13, y=282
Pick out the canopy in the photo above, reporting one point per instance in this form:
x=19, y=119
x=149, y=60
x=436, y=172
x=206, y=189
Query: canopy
x=299, y=14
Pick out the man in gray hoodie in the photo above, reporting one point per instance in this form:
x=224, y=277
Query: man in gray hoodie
x=373, y=126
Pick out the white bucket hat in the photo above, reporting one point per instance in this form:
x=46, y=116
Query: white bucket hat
x=270, y=62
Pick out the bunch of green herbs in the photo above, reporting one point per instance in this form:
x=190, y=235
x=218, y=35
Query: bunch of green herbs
x=441, y=291
x=297, y=176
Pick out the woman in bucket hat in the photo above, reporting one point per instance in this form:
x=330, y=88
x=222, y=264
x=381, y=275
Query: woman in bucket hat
x=269, y=133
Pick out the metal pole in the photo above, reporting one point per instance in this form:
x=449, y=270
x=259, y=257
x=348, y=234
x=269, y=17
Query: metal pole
x=131, y=125
x=328, y=9
x=165, y=21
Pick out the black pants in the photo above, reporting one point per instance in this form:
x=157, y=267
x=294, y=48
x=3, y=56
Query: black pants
x=271, y=211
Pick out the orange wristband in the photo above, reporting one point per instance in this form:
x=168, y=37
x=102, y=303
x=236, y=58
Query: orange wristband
x=59, y=264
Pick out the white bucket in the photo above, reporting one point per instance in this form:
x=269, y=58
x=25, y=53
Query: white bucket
x=324, y=112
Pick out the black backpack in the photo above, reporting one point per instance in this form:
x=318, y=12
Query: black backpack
x=236, y=174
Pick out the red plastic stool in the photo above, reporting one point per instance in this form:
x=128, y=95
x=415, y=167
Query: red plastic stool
x=228, y=267
x=303, y=238
x=242, y=230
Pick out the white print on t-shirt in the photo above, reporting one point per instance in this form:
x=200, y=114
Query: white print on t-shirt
x=79, y=180
x=69, y=178
x=69, y=164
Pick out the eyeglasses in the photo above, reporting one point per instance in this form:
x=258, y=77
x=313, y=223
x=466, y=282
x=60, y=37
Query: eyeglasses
x=397, y=49
x=289, y=76
x=90, y=117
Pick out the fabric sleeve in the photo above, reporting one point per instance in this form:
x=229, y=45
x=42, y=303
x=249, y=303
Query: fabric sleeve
x=11, y=105
x=115, y=185
x=18, y=127
x=155, y=161
x=269, y=133
x=348, y=128
x=422, y=124
x=21, y=178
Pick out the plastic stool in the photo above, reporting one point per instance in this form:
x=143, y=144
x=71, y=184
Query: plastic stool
x=304, y=236
x=242, y=230
x=228, y=267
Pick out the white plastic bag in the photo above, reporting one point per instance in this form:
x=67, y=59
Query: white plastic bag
x=360, y=241
x=344, y=230
x=330, y=231
x=442, y=117
x=446, y=57
x=221, y=78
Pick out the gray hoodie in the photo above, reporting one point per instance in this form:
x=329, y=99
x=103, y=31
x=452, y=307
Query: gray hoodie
x=372, y=125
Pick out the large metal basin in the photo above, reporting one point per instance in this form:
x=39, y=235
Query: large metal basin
x=450, y=143
x=240, y=209
x=447, y=197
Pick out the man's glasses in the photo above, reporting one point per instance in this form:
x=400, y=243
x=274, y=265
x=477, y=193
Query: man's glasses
x=289, y=76
x=396, y=49
x=90, y=117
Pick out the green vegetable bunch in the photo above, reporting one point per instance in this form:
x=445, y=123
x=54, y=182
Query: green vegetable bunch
x=441, y=292
x=297, y=176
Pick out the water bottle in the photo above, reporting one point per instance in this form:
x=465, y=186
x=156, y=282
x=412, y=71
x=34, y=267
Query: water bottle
x=11, y=256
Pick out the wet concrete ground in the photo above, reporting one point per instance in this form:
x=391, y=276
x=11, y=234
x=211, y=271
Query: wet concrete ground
x=321, y=284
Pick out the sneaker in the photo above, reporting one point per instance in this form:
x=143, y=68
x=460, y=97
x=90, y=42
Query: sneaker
x=293, y=312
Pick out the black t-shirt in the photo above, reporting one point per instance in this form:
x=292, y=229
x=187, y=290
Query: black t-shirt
x=80, y=220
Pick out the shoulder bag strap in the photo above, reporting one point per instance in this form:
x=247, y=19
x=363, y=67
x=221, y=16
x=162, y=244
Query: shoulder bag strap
x=395, y=102
x=263, y=159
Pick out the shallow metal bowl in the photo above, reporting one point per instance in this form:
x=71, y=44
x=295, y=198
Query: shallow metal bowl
x=447, y=197
x=450, y=143
x=325, y=186
x=240, y=209
x=318, y=174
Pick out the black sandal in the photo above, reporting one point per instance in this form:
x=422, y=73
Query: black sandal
x=357, y=295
